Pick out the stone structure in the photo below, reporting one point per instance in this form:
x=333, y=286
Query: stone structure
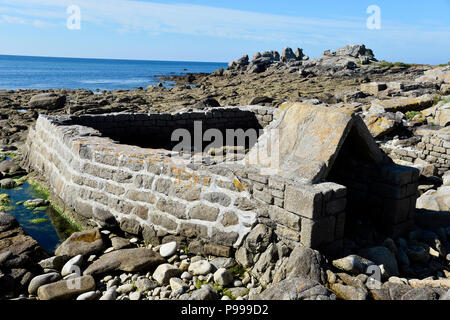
x=428, y=146
x=330, y=174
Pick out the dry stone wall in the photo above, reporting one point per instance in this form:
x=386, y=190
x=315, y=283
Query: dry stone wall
x=428, y=147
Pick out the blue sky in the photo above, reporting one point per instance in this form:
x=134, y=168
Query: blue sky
x=199, y=30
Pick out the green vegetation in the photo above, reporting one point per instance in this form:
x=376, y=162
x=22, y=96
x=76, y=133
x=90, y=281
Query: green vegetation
x=444, y=64
x=223, y=291
x=9, y=154
x=62, y=214
x=45, y=194
x=238, y=271
x=445, y=100
x=387, y=64
x=402, y=65
x=39, y=221
x=411, y=114
x=41, y=191
x=4, y=202
x=20, y=181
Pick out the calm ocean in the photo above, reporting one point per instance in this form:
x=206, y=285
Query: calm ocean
x=18, y=72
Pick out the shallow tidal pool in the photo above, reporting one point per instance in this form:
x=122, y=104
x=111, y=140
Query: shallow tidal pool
x=44, y=224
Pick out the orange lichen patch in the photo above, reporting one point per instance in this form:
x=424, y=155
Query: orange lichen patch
x=241, y=186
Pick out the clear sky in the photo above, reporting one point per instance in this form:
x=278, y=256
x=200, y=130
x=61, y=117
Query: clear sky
x=206, y=30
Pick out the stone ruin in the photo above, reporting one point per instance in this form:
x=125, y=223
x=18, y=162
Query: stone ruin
x=117, y=169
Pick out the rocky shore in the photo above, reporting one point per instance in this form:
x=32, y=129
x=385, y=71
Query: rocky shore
x=407, y=110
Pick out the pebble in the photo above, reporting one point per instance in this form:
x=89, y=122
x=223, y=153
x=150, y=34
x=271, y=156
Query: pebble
x=169, y=249
x=237, y=283
x=73, y=265
x=91, y=295
x=173, y=259
x=134, y=296
x=112, y=283
x=156, y=292
x=125, y=288
x=177, y=284
x=201, y=267
x=111, y=294
x=223, y=277
x=186, y=276
x=124, y=277
x=134, y=240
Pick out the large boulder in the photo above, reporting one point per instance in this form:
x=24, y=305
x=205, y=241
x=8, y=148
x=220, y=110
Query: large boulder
x=10, y=168
x=47, y=101
x=345, y=292
x=288, y=55
x=82, y=243
x=352, y=264
x=303, y=263
x=382, y=256
x=128, y=260
x=442, y=117
x=41, y=280
x=380, y=125
x=405, y=104
x=438, y=75
x=435, y=200
x=296, y=289
x=66, y=289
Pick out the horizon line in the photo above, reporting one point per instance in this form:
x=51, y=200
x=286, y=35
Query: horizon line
x=115, y=59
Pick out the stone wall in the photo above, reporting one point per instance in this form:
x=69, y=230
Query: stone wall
x=428, y=147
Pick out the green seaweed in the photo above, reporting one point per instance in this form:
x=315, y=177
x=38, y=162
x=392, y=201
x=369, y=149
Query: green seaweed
x=4, y=202
x=9, y=154
x=38, y=189
x=45, y=194
x=39, y=221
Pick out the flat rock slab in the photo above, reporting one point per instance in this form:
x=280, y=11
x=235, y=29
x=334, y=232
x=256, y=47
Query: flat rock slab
x=14, y=239
x=84, y=243
x=296, y=289
x=128, y=260
x=66, y=289
x=307, y=148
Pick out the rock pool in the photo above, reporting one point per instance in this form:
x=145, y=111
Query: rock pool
x=44, y=224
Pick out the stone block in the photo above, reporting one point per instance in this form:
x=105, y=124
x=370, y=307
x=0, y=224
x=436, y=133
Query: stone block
x=285, y=218
x=304, y=202
x=204, y=212
x=316, y=233
x=265, y=196
x=172, y=207
x=219, y=198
